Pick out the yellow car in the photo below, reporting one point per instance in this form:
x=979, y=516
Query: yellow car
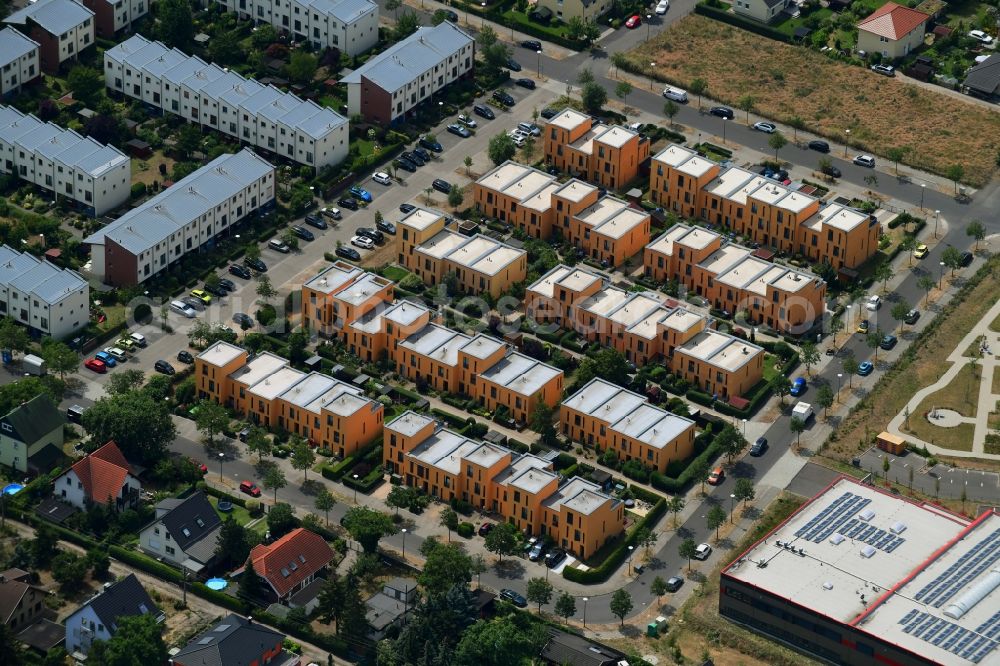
x=202, y=295
x=126, y=344
x=921, y=251
x=863, y=326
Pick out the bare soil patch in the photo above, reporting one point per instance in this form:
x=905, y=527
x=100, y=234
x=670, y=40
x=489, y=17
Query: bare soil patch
x=785, y=81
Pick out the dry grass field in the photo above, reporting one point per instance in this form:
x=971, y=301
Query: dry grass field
x=786, y=81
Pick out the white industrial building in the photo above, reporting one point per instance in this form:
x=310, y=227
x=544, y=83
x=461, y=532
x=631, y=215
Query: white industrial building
x=95, y=176
x=53, y=301
x=348, y=25
x=212, y=96
x=18, y=60
x=181, y=219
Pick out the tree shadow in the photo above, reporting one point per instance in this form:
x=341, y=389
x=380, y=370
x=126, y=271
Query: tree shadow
x=742, y=470
x=684, y=533
x=696, y=576
x=751, y=512
x=509, y=569
x=656, y=564
x=311, y=487
x=629, y=631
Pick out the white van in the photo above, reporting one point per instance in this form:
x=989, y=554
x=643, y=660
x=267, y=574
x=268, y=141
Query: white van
x=183, y=309
x=138, y=338
x=676, y=94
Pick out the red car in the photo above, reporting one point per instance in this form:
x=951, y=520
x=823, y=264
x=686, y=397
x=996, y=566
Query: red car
x=202, y=467
x=249, y=488
x=634, y=21
x=95, y=365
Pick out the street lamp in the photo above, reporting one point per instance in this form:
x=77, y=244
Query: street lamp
x=585, y=600
x=222, y=456
x=850, y=316
x=941, y=279
x=847, y=140
x=723, y=131
x=744, y=428
x=732, y=508
x=630, y=549
x=538, y=63
x=840, y=376
x=649, y=23
x=937, y=215
x=355, y=488
x=923, y=186
x=404, y=544
x=483, y=23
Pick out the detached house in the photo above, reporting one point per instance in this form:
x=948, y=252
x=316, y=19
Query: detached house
x=21, y=603
x=103, y=477
x=892, y=30
x=184, y=533
x=32, y=435
x=235, y=641
x=98, y=618
x=291, y=563
x=764, y=11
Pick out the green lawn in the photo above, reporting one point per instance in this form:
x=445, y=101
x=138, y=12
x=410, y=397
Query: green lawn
x=769, y=370
x=789, y=25
x=394, y=273
x=241, y=515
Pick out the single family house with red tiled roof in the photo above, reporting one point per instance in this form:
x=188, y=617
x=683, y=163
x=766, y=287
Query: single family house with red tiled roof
x=291, y=563
x=892, y=31
x=103, y=477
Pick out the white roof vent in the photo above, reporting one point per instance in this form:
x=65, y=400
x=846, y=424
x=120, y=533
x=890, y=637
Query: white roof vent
x=827, y=585
x=867, y=551
x=867, y=514
x=836, y=539
x=898, y=527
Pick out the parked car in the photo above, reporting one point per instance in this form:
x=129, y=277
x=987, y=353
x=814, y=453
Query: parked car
x=240, y=271
x=451, y=15
x=430, y=145
x=863, y=326
x=117, y=354
x=676, y=94
x=359, y=192
x=865, y=368
x=717, y=476
x=555, y=556
x=375, y=235
x=633, y=22
x=255, y=264
x=484, y=111
x=921, y=251
x=184, y=356
x=303, y=233
x=183, y=309
x=662, y=6
x=106, y=358
x=348, y=203
x=96, y=364
x=532, y=45
x=279, y=245
x=702, y=551
x=513, y=597
x=503, y=97
x=884, y=70
x=249, y=488
x=873, y=303
x=242, y=319
x=865, y=161
x=314, y=220
x=966, y=258
x=348, y=253
x=536, y=551
x=722, y=112
x=225, y=283
x=888, y=342
x=798, y=386
x=386, y=226
x=202, y=296
x=406, y=165
x=164, y=367
x=767, y=128
x=193, y=303
x=413, y=157
x=525, y=83
x=382, y=178
x=459, y=130
x=912, y=316
x=441, y=185
x=485, y=529
x=832, y=171
x=819, y=146
x=417, y=150
x=214, y=290
x=758, y=447
x=363, y=242
x=126, y=344
x=332, y=213
x=530, y=128
x=674, y=583
x=548, y=113
x=406, y=208
x=980, y=37
x=513, y=65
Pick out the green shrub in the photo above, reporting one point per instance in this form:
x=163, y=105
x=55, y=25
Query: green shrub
x=466, y=530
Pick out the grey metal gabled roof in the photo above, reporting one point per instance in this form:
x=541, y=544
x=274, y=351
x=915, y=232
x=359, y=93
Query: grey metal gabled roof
x=345, y=11
x=150, y=223
x=31, y=275
x=55, y=16
x=405, y=61
x=13, y=45
x=126, y=598
x=234, y=641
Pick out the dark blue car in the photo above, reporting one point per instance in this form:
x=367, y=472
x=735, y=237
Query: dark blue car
x=798, y=386
x=361, y=193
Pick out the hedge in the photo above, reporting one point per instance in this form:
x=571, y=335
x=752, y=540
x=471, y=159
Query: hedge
x=615, y=558
x=367, y=483
x=518, y=447
x=709, y=453
x=453, y=420
x=336, y=472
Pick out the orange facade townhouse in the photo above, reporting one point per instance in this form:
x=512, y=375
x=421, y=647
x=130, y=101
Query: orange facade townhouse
x=269, y=392
x=339, y=295
x=736, y=279
x=481, y=264
x=522, y=488
x=762, y=209
x=608, y=417
x=607, y=155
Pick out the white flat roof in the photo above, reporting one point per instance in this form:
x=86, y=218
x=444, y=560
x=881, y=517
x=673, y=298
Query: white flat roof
x=602, y=399
x=637, y=307
x=334, y=277
x=436, y=342
x=681, y=320
x=665, y=243
x=521, y=374
x=257, y=368
x=674, y=155
x=721, y=350
x=908, y=573
x=653, y=426
x=546, y=285
x=697, y=238
x=405, y=312
x=647, y=326
x=409, y=423
x=729, y=181
x=726, y=257
x=579, y=495
x=221, y=353
x=362, y=288
x=569, y=119
x=616, y=136
x=542, y=200
x=421, y=218
x=482, y=346
x=443, y=242
x=576, y=190
x=604, y=301
x=276, y=383
x=842, y=217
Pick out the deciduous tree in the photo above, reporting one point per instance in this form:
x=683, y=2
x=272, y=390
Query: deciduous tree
x=687, y=550
x=976, y=230
x=715, y=519
x=501, y=148
x=367, y=526
x=621, y=604
x=809, y=355
x=274, y=479
x=303, y=458
x=324, y=501
x=539, y=591
x=140, y=426
x=280, y=520
x=744, y=490
x=565, y=606
x=502, y=540
x=137, y=640
x=212, y=419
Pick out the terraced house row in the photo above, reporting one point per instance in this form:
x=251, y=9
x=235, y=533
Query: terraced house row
x=523, y=488
x=646, y=327
x=350, y=26
x=212, y=96
x=608, y=417
x=480, y=264
x=357, y=308
x=762, y=209
x=323, y=410
x=737, y=279
x=607, y=155
x=607, y=229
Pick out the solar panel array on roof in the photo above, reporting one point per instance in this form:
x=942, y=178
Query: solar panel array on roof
x=832, y=517
x=964, y=570
x=962, y=642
